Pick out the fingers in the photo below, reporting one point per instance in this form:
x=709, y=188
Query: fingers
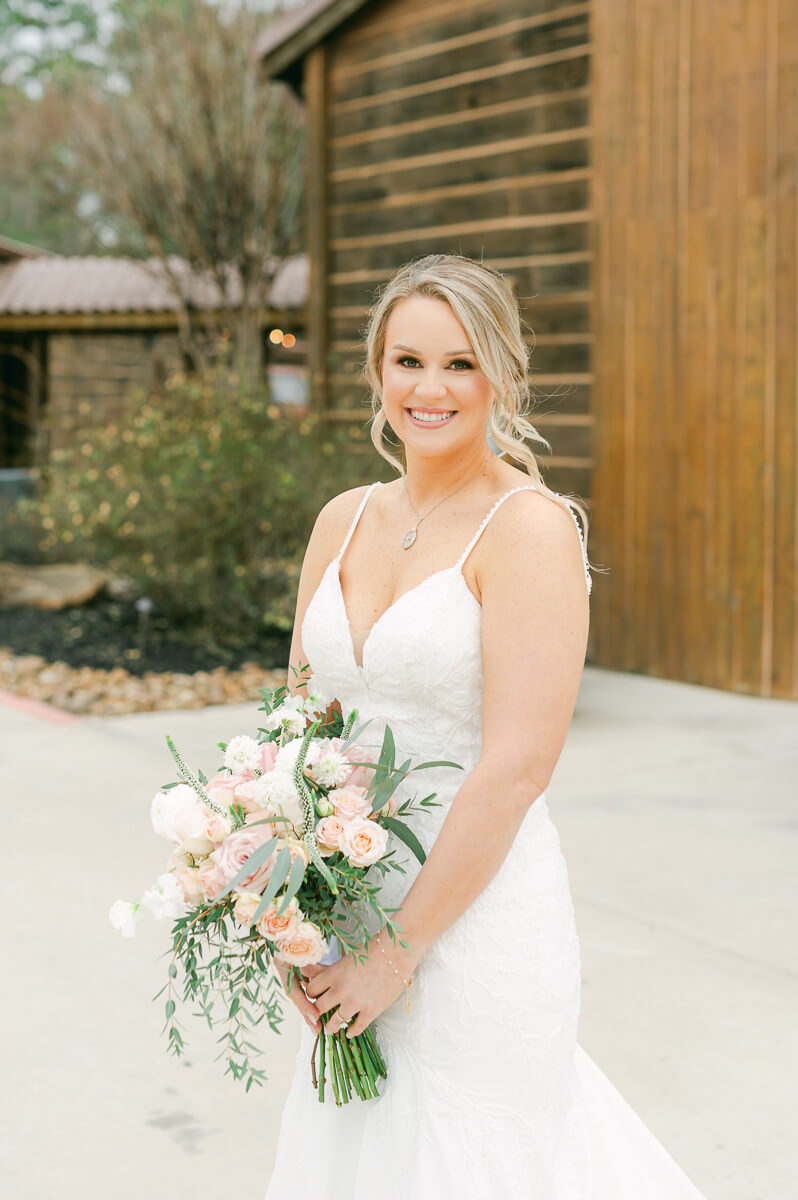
x=337, y=1022
x=306, y=1007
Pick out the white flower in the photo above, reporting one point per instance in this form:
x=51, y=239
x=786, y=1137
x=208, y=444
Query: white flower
x=276, y=794
x=332, y=769
x=178, y=814
x=319, y=693
x=123, y=915
x=242, y=753
x=285, y=759
x=290, y=715
x=164, y=898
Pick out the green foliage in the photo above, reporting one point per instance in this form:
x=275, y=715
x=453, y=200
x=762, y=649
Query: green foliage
x=203, y=496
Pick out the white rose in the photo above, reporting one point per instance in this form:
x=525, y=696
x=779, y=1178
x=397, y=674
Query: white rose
x=276, y=795
x=165, y=898
x=242, y=754
x=123, y=915
x=178, y=814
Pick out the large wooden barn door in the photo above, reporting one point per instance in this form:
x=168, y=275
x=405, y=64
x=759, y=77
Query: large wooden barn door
x=457, y=126
x=695, y=485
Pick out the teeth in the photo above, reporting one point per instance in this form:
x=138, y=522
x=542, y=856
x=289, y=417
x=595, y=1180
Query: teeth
x=430, y=417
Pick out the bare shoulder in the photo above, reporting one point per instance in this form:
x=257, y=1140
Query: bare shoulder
x=529, y=538
x=333, y=521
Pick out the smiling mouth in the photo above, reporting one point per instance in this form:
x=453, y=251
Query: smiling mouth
x=420, y=416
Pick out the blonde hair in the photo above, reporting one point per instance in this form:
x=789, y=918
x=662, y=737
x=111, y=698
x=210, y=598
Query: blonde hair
x=484, y=304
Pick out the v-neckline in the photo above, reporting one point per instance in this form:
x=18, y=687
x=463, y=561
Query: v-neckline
x=336, y=564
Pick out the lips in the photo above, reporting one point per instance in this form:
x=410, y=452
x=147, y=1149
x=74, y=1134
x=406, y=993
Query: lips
x=432, y=411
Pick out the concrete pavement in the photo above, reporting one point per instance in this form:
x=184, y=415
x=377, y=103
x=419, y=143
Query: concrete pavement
x=677, y=808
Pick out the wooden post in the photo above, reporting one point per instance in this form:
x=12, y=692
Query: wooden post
x=315, y=77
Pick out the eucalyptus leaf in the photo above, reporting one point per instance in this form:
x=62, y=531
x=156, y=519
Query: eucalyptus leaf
x=443, y=763
x=407, y=836
x=294, y=880
x=276, y=880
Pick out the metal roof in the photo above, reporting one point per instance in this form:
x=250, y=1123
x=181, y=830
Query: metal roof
x=56, y=284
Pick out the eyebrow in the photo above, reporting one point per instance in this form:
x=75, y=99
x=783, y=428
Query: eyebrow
x=447, y=354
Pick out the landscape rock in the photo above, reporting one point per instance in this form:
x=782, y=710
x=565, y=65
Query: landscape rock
x=50, y=585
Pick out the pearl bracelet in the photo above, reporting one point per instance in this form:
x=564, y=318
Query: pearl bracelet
x=407, y=982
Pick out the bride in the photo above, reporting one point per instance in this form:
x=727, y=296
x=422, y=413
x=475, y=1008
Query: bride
x=453, y=605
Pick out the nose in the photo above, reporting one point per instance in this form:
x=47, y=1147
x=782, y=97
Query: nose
x=429, y=389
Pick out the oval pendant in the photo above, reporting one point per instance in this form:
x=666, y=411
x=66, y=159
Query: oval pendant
x=408, y=539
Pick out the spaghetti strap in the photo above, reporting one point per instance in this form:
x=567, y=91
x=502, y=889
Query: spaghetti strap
x=525, y=487
x=356, y=518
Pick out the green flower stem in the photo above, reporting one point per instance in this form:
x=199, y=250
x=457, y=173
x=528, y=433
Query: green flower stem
x=322, y=1063
x=364, y=1066
x=333, y=1072
x=338, y=1081
x=351, y=1064
x=349, y=1069
x=375, y=1052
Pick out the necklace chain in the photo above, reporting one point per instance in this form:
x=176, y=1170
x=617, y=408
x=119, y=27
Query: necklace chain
x=410, y=536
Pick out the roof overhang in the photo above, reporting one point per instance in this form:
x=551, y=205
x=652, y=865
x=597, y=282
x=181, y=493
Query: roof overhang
x=285, y=42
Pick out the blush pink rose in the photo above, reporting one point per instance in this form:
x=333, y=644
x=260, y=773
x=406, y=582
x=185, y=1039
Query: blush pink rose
x=221, y=788
x=305, y=945
x=359, y=776
x=328, y=834
x=279, y=926
x=234, y=851
x=245, y=796
x=349, y=801
x=268, y=753
x=363, y=841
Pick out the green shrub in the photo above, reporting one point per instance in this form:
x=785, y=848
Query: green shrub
x=202, y=496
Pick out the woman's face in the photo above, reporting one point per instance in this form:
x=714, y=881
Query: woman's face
x=429, y=368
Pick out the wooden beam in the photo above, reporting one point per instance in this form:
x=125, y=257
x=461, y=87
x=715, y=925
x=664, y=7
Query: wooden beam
x=315, y=87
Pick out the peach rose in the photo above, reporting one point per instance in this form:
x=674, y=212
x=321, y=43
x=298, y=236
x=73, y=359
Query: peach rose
x=217, y=828
x=276, y=926
x=328, y=834
x=349, y=802
x=245, y=906
x=210, y=879
x=305, y=945
x=234, y=851
x=363, y=841
x=188, y=881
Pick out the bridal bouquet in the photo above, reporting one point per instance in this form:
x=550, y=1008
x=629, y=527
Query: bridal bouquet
x=268, y=865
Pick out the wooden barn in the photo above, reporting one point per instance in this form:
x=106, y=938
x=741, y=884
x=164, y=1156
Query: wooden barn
x=632, y=167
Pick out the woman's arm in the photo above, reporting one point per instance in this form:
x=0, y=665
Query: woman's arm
x=535, y=617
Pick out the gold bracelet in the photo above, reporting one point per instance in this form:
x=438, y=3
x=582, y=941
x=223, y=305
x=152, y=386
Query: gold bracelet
x=407, y=982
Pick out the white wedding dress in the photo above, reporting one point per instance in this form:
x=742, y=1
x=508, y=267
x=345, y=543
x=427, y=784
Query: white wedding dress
x=489, y=1096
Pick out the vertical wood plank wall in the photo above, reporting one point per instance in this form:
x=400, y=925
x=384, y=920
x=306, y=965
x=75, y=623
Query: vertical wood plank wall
x=462, y=126
x=695, y=328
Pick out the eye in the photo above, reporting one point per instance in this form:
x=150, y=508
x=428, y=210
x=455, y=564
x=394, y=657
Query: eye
x=464, y=361
x=407, y=358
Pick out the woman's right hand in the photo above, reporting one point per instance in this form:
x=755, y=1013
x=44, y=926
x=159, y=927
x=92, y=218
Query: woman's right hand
x=297, y=995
